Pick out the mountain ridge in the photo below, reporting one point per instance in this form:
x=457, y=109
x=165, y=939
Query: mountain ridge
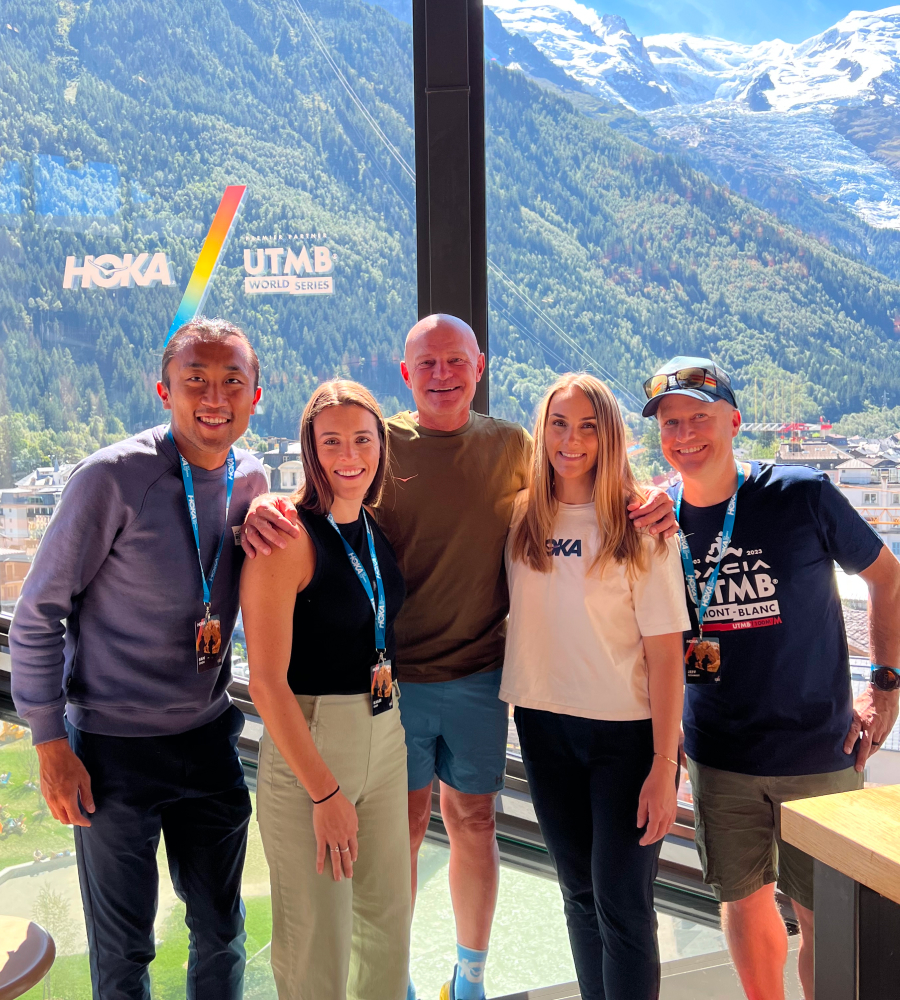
x=710, y=96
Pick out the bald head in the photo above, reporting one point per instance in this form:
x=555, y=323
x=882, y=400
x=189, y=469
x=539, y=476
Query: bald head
x=442, y=365
x=439, y=327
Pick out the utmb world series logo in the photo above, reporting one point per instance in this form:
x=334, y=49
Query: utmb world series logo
x=292, y=270
x=281, y=270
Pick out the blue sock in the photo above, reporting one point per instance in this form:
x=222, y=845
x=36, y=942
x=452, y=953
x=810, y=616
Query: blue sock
x=411, y=991
x=469, y=984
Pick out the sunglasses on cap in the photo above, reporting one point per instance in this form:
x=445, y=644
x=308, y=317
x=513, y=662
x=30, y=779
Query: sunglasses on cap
x=684, y=378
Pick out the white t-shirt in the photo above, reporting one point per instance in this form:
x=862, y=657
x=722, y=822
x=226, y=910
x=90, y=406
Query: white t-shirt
x=573, y=645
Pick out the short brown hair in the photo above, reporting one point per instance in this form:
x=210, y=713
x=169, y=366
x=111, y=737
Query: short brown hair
x=316, y=494
x=204, y=330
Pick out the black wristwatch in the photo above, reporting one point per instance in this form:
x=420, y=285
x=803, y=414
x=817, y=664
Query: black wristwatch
x=885, y=678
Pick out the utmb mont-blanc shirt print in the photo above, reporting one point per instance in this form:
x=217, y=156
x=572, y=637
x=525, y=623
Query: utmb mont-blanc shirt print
x=782, y=703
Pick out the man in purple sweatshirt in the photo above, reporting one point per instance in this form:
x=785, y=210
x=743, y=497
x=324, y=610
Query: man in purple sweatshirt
x=128, y=705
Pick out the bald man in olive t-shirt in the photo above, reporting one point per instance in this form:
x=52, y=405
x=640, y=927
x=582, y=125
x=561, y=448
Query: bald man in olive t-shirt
x=446, y=509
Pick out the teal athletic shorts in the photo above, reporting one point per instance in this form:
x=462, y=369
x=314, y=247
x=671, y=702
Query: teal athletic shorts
x=457, y=730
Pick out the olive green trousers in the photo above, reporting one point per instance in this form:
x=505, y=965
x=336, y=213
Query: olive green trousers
x=346, y=940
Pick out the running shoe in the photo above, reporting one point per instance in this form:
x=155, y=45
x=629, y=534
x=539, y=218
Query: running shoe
x=448, y=990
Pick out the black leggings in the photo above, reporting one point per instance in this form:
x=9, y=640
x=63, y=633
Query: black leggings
x=585, y=778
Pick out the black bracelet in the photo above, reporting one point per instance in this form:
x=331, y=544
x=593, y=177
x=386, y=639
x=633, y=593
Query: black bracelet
x=327, y=797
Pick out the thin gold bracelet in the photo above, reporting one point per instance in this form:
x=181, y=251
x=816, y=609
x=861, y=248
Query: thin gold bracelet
x=656, y=753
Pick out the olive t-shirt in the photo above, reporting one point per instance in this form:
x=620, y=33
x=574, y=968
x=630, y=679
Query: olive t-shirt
x=446, y=510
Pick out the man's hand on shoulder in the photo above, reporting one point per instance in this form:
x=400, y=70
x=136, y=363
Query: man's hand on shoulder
x=657, y=515
x=271, y=520
x=64, y=781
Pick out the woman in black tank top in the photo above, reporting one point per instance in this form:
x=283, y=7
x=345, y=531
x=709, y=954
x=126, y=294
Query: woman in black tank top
x=331, y=797
x=334, y=604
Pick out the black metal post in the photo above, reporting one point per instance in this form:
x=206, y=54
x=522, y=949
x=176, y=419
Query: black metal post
x=448, y=40
x=836, y=916
x=857, y=946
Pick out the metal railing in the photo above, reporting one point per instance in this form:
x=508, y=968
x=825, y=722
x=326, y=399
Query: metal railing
x=679, y=885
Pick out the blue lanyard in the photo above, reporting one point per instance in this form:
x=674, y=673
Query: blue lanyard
x=703, y=601
x=364, y=580
x=188, y=479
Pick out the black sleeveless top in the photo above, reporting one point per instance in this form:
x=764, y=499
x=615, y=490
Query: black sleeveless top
x=334, y=625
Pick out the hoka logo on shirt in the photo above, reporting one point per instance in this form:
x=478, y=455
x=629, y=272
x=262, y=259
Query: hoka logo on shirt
x=564, y=547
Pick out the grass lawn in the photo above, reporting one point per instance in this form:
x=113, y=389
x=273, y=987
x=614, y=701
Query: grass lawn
x=42, y=831
x=70, y=977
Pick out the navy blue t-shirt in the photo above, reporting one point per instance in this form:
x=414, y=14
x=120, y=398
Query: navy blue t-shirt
x=783, y=703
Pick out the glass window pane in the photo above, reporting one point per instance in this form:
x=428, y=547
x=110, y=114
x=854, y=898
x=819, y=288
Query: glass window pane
x=529, y=941
x=127, y=131
x=701, y=181
x=697, y=180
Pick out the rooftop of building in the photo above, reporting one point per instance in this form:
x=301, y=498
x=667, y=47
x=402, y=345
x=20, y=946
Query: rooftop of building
x=856, y=623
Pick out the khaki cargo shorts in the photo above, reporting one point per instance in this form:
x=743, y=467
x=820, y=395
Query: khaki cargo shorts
x=738, y=836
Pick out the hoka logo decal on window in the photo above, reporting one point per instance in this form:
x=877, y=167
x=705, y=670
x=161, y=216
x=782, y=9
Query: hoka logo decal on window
x=564, y=547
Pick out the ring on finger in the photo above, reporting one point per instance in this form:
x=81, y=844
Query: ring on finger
x=344, y=850
x=334, y=850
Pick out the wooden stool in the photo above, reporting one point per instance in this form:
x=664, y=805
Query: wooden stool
x=26, y=954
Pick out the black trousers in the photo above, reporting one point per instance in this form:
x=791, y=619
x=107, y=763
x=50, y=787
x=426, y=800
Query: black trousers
x=191, y=786
x=585, y=778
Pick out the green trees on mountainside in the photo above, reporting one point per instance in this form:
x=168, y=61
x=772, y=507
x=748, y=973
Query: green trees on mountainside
x=632, y=253
x=182, y=100
x=638, y=257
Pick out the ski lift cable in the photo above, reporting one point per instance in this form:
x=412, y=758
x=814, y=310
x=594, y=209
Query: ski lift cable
x=564, y=365
x=410, y=173
x=310, y=27
x=504, y=314
x=574, y=345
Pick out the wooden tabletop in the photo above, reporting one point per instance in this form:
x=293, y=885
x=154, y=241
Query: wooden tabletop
x=858, y=833
x=26, y=953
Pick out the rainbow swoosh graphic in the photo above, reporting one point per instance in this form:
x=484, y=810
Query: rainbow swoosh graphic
x=213, y=247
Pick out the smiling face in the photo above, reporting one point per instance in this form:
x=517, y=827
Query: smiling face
x=570, y=437
x=442, y=366
x=696, y=436
x=211, y=395
x=348, y=449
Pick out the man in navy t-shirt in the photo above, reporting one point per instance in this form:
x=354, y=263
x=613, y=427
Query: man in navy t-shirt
x=769, y=715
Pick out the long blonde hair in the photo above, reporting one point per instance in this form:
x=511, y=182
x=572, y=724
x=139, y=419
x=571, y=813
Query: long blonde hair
x=316, y=494
x=614, y=486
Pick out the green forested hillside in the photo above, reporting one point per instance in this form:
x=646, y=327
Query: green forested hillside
x=638, y=257
x=182, y=99
x=633, y=254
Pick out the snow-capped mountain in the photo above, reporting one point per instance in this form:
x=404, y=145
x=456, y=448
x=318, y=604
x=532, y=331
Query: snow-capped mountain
x=597, y=50
x=858, y=57
x=825, y=111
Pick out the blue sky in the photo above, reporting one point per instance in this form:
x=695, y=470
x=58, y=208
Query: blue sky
x=742, y=21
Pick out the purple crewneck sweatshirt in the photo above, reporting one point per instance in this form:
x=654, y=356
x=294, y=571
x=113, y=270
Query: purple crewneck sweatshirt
x=104, y=628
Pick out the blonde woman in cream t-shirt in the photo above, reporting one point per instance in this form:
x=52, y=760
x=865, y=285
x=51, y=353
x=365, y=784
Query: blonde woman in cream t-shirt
x=594, y=667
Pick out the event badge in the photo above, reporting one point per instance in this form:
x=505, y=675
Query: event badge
x=382, y=687
x=208, y=631
x=702, y=659
x=702, y=654
x=209, y=644
x=380, y=682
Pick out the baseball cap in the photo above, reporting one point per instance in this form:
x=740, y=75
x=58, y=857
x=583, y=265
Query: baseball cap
x=699, y=378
